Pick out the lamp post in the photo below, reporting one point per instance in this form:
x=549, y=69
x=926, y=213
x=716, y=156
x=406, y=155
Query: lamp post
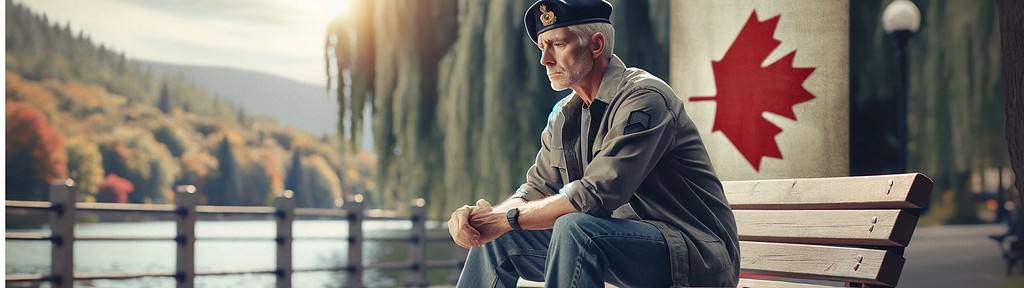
x=901, y=19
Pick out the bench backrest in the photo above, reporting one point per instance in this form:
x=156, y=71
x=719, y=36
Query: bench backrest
x=848, y=229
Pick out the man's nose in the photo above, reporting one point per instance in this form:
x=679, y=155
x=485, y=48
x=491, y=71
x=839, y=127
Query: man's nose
x=546, y=58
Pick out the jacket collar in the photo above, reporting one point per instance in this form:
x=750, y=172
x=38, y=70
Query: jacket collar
x=611, y=80
x=610, y=83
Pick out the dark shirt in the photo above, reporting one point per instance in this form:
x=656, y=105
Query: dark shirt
x=590, y=121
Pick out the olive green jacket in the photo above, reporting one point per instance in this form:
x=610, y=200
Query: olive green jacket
x=647, y=153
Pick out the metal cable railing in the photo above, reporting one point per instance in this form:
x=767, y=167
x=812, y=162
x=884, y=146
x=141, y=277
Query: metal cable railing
x=62, y=209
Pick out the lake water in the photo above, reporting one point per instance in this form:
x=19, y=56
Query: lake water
x=219, y=255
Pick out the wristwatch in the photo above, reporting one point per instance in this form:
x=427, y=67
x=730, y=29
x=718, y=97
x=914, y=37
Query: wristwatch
x=513, y=218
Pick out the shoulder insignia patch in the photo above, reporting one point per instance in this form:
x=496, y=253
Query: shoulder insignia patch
x=638, y=121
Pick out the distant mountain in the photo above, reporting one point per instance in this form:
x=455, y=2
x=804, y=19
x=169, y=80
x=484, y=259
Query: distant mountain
x=293, y=103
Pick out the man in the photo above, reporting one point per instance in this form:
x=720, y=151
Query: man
x=622, y=190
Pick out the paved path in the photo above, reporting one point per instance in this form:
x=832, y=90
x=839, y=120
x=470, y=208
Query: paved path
x=954, y=256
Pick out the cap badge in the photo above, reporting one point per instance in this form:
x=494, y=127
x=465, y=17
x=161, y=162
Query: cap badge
x=546, y=17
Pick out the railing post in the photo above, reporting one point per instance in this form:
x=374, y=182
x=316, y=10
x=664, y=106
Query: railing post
x=285, y=204
x=62, y=230
x=418, y=243
x=185, y=199
x=355, y=242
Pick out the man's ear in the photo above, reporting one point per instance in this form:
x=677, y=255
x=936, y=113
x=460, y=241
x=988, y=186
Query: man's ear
x=597, y=45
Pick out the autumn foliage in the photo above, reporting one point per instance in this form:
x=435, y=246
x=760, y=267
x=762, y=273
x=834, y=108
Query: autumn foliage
x=115, y=189
x=121, y=147
x=35, y=152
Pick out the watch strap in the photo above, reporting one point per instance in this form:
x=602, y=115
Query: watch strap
x=513, y=218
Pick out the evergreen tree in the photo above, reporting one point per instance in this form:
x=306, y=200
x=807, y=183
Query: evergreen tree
x=38, y=50
x=241, y=116
x=227, y=189
x=165, y=99
x=295, y=181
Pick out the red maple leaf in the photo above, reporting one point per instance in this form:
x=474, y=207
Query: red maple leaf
x=746, y=90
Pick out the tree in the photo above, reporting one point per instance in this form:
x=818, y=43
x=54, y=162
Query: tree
x=227, y=186
x=352, y=41
x=459, y=104
x=135, y=155
x=39, y=50
x=241, y=116
x=175, y=141
x=121, y=160
x=643, y=25
x=323, y=183
x=165, y=99
x=1012, y=23
x=165, y=169
x=954, y=109
x=115, y=189
x=295, y=181
x=196, y=168
x=263, y=177
x=85, y=165
x=35, y=153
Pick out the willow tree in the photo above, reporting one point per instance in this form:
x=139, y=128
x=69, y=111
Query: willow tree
x=459, y=98
x=963, y=54
x=391, y=50
x=955, y=110
x=642, y=34
x=494, y=103
x=350, y=43
x=461, y=103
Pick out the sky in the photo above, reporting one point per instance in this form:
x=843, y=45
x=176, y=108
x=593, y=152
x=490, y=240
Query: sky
x=281, y=37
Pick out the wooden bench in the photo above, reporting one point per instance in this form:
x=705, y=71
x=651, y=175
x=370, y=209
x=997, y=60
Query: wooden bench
x=824, y=232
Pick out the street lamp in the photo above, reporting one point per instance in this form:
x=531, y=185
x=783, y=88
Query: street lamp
x=901, y=19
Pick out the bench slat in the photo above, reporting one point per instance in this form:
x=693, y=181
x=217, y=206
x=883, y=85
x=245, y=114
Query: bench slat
x=834, y=227
x=821, y=262
x=523, y=283
x=896, y=191
x=758, y=283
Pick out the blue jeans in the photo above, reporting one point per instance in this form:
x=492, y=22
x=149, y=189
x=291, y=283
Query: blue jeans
x=579, y=251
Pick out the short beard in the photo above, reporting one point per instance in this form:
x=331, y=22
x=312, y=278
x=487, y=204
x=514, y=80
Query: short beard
x=576, y=73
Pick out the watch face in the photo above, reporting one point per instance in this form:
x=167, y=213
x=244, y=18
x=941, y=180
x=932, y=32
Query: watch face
x=511, y=215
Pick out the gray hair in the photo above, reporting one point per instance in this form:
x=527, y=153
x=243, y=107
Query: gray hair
x=585, y=31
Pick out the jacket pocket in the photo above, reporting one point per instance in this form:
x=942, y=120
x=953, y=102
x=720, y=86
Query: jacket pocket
x=714, y=267
x=557, y=158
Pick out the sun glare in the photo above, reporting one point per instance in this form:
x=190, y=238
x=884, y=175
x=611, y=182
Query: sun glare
x=339, y=8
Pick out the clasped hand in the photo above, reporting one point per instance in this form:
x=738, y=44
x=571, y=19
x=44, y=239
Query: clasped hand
x=473, y=226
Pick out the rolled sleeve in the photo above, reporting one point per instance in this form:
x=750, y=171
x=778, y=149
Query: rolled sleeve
x=626, y=158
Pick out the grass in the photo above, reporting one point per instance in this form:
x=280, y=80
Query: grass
x=1015, y=282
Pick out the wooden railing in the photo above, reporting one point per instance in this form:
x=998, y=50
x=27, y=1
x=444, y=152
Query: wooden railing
x=63, y=208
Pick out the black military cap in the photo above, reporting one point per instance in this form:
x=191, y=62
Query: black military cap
x=545, y=15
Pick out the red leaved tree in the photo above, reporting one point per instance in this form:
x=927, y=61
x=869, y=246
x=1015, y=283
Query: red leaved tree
x=115, y=189
x=35, y=153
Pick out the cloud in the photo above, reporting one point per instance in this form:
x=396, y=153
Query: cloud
x=254, y=11
x=284, y=38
